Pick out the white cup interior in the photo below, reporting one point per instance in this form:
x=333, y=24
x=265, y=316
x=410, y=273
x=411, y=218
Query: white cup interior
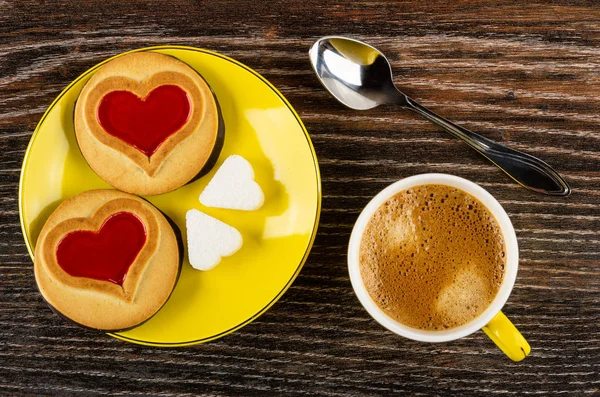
x=512, y=257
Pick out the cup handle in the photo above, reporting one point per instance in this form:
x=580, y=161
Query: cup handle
x=507, y=337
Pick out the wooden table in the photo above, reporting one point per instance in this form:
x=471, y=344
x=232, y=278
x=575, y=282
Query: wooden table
x=525, y=73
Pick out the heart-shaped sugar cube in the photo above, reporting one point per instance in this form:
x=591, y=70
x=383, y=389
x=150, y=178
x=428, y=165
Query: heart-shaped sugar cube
x=233, y=187
x=209, y=240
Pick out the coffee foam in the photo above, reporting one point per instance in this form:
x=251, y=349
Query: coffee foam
x=432, y=257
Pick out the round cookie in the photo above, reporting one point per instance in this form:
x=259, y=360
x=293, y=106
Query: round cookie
x=147, y=123
x=107, y=260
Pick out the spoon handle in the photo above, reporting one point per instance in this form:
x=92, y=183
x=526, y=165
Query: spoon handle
x=530, y=172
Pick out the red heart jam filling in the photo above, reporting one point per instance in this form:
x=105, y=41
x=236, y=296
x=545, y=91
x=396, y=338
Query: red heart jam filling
x=144, y=123
x=105, y=255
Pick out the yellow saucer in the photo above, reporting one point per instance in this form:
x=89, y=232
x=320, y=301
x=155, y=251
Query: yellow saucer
x=261, y=126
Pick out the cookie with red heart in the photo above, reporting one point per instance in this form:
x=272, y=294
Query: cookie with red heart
x=147, y=123
x=107, y=260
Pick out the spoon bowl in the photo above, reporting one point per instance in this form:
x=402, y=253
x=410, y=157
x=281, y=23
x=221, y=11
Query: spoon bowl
x=355, y=73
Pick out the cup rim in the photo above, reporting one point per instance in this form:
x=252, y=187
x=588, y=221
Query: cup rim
x=511, y=266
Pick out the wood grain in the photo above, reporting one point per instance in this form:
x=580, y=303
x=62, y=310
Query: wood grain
x=525, y=73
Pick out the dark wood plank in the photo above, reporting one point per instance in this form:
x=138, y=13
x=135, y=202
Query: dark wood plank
x=525, y=73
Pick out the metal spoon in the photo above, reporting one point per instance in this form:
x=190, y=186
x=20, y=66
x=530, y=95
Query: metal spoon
x=360, y=77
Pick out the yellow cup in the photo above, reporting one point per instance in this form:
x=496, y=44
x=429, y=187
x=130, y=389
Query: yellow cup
x=492, y=321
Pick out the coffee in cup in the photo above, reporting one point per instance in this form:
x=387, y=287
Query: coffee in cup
x=432, y=257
